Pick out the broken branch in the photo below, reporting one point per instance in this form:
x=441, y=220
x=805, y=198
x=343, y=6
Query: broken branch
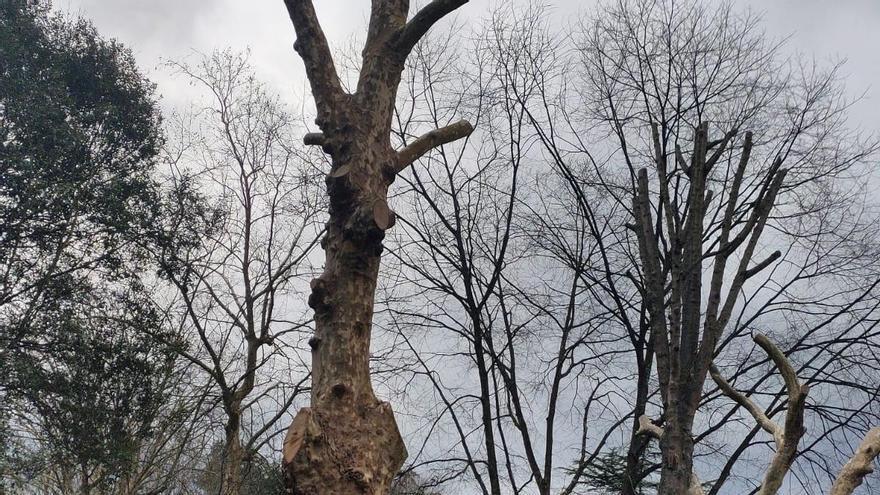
x=314, y=139
x=859, y=466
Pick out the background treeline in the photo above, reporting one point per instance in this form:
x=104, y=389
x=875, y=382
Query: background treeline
x=154, y=269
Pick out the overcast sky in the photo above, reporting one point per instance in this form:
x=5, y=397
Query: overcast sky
x=172, y=29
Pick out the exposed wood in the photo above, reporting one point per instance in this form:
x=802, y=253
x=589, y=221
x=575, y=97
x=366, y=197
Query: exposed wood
x=787, y=436
x=431, y=140
x=859, y=466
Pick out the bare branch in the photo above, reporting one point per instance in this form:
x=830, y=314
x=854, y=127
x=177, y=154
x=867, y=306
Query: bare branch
x=763, y=421
x=751, y=272
x=647, y=427
x=859, y=466
x=722, y=147
x=314, y=139
x=416, y=28
x=312, y=47
x=782, y=363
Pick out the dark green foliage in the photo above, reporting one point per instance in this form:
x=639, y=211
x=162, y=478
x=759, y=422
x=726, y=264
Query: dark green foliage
x=78, y=134
x=604, y=475
x=96, y=384
x=80, y=381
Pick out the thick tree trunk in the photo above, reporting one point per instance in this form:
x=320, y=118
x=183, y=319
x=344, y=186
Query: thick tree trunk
x=677, y=450
x=348, y=441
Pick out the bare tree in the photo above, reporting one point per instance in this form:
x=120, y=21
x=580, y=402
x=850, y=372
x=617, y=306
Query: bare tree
x=656, y=75
x=348, y=441
x=584, y=141
x=240, y=222
x=498, y=276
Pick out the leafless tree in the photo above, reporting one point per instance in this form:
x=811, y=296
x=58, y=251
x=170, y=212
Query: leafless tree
x=656, y=75
x=571, y=218
x=241, y=220
x=497, y=276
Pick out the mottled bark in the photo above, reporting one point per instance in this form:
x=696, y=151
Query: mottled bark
x=787, y=436
x=859, y=466
x=347, y=442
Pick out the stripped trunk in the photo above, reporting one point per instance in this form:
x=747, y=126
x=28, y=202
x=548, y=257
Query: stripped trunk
x=347, y=442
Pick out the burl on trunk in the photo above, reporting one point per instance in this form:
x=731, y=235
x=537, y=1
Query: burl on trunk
x=347, y=442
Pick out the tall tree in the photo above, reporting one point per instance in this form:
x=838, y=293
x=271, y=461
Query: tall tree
x=348, y=441
x=79, y=132
x=96, y=392
x=240, y=221
x=575, y=284
x=673, y=83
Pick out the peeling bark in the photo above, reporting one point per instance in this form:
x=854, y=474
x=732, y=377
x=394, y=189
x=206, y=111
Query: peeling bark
x=347, y=442
x=859, y=466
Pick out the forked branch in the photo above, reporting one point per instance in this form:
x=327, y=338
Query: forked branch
x=787, y=436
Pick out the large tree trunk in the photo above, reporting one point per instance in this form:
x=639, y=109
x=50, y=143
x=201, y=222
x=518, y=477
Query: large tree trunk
x=347, y=442
x=349, y=439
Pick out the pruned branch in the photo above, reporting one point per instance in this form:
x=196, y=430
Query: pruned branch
x=416, y=28
x=859, y=466
x=786, y=437
x=647, y=427
x=722, y=147
x=751, y=272
x=431, y=140
x=314, y=139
